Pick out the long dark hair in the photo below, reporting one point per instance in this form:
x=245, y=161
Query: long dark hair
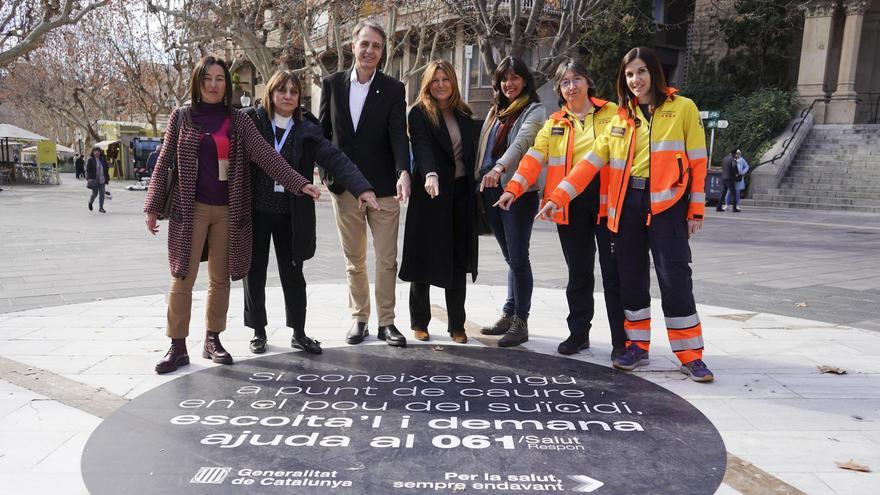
x=578, y=68
x=199, y=72
x=518, y=67
x=659, y=90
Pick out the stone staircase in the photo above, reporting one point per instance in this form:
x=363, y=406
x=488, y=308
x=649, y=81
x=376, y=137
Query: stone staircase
x=836, y=168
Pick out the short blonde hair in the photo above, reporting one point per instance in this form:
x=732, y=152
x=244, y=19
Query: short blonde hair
x=278, y=81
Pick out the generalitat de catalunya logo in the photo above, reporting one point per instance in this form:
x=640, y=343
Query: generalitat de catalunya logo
x=211, y=475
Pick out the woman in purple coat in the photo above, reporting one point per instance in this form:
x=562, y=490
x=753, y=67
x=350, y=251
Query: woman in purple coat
x=211, y=145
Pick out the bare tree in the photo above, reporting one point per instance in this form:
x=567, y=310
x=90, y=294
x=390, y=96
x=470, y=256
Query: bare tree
x=421, y=27
x=69, y=79
x=510, y=27
x=151, y=70
x=25, y=23
x=249, y=26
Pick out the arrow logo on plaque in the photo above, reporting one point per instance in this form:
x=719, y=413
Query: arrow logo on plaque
x=587, y=484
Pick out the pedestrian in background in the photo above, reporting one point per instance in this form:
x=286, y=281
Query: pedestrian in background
x=742, y=168
x=97, y=177
x=285, y=219
x=729, y=177
x=440, y=240
x=211, y=144
x=152, y=159
x=79, y=166
x=509, y=130
x=566, y=136
x=656, y=201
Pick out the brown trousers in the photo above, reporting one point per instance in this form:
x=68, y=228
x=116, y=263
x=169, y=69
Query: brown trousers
x=351, y=223
x=211, y=223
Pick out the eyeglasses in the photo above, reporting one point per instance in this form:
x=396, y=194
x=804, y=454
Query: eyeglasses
x=566, y=83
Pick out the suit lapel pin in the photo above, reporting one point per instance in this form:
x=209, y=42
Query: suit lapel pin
x=377, y=91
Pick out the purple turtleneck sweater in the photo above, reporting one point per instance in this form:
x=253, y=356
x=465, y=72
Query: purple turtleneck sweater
x=214, y=121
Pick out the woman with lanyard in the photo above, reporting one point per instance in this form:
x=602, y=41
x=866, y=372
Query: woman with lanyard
x=209, y=147
x=440, y=240
x=286, y=219
x=508, y=131
x=567, y=135
x=655, y=150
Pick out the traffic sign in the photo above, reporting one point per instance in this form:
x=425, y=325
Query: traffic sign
x=704, y=114
x=723, y=124
x=711, y=124
x=714, y=114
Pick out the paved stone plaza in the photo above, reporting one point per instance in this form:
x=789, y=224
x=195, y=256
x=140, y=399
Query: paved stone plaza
x=780, y=292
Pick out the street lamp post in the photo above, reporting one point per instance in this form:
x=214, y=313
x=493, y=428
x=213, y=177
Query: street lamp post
x=79, y=139
x=245, y=100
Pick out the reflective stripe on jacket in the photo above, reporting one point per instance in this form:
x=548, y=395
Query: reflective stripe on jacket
x=677, y=162
x=552, y=155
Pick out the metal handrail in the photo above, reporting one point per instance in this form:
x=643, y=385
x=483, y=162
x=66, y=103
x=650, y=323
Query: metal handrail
x=794, y=130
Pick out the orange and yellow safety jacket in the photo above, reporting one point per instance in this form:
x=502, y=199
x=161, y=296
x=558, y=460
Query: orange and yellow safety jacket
x=553, y=154
x=677, y=163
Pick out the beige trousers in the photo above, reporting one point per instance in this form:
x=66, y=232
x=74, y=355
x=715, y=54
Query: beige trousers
x=211, y=223
x=352, y=226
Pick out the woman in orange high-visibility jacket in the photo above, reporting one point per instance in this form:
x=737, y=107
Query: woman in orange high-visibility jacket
x=655, y=152
x=565, y=137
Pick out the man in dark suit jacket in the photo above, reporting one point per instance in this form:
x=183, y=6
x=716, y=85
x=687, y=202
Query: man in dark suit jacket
x=363, y=112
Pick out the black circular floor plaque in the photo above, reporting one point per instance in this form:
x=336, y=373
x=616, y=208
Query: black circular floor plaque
x=378, y=420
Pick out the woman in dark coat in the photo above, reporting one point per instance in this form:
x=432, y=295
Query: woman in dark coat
x=98, y=176
x=211, y=146
x=286, y=219
x=440, y=241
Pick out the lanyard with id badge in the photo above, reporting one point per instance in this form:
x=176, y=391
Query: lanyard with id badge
x=280, y=144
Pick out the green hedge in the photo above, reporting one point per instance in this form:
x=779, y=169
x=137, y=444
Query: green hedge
x=754, y=121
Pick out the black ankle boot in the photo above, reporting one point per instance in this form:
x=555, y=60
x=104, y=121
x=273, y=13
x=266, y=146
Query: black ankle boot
x=214, y=349
x=174, y=358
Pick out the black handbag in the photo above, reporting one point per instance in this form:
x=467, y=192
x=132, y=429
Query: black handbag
x=170, y=190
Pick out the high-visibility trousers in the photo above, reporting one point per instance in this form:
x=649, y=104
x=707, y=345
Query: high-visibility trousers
x=665, y=237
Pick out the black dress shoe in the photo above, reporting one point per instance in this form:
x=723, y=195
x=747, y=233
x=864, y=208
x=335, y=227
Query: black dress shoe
x=174, y=358
x=214, y=349
x=573, y=344
x=258, y=344
x=357, y=332
x=306, y=344
x=392, y=336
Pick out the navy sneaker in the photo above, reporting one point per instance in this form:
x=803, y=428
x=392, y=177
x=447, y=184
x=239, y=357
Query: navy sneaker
x=631, y=359
x=697, y=371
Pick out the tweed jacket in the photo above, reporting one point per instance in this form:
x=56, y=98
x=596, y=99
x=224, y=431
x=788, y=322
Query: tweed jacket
x=246, y=146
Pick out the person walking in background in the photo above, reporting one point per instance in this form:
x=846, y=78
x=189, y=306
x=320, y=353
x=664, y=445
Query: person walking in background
x=656, y=201
x=152, y=158
x=742, y=168
x=79, y=166
x=363, y=113
x=284, y=218
x=729, y=177
x=440, y=240
x=509, y=130
x=567, y=135
x=97, y=177
x=209, y=146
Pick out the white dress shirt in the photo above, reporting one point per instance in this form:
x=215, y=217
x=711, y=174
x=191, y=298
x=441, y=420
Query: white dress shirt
x=357, y=95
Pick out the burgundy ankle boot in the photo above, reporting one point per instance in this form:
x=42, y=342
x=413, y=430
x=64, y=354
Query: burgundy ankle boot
x=174, y=358
x=214, y=349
